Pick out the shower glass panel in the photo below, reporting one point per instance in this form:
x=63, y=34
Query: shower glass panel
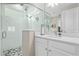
x=48, y=22
x=14, y=18
x=13, y=22
x=35, y=17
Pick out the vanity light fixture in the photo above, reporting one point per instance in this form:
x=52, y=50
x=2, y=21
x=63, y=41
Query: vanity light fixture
x=52, y=4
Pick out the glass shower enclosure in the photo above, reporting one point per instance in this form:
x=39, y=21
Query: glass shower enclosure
x=14, y=18
x=12, y=21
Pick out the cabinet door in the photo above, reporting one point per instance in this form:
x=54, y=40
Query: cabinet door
x=40, y=51
x=67, y=21
x=56, y=52
x=40, y=47
x=56, y=48
x=76, y=20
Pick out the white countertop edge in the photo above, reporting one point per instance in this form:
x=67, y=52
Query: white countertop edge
x=68, y=40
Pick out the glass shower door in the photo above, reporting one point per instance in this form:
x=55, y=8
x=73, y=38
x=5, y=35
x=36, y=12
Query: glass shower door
x=13, y=23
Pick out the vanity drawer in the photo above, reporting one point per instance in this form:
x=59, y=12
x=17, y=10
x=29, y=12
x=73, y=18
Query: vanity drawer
x=57, y=52
x=41, y=42
x=62, y=46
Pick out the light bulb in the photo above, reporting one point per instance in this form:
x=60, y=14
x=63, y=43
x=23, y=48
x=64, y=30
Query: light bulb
x=52, y=4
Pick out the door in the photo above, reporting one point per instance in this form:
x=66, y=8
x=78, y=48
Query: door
x=40, y=47
x=13, y=23
x=67, y=21
x=41, y=51
x=76, y=30
x=76, y=20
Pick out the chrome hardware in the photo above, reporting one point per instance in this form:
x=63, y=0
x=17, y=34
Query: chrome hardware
x=4, y=34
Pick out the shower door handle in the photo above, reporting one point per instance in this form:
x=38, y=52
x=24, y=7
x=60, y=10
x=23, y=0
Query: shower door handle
x=4, y=34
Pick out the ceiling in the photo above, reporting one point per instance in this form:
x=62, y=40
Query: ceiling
x=52, y=11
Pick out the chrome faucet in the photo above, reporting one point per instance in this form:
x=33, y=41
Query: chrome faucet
x=59, y=31
x=42, y=29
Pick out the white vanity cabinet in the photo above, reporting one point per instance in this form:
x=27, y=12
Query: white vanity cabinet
x=52, y=47
x=58, y=48
x=40, y=47
x=70, y=20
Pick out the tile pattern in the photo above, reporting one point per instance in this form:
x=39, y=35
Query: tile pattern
x=13, y=52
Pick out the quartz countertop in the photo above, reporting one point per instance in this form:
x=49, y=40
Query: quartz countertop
x=65, y=39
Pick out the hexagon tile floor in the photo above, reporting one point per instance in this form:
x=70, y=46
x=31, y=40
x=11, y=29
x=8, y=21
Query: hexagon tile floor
x=13, y=52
